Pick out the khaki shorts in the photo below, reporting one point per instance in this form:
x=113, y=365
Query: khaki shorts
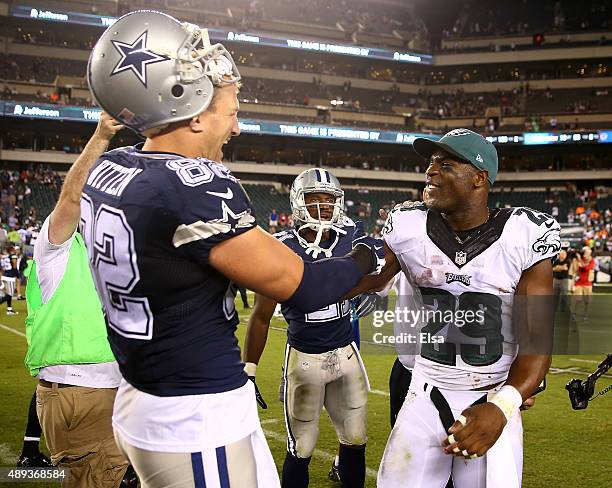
x=335, y=380
x=76, y=421
x=583, y=290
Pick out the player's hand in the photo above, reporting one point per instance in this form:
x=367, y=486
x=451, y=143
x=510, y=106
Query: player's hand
x=262, y=403
x=374, y=244
x=384, y=214
x=107, y=127
x=475, y=433
x=527, y=404
x=365, y=304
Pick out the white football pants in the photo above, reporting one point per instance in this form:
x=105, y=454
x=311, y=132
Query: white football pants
x=247, y=463
x=414, y=456
x=335, y=379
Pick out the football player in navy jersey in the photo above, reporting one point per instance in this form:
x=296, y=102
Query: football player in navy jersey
x=322, y=365
x=169, y=231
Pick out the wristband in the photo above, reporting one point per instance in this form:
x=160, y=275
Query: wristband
x=250, y=368
x=508, y=399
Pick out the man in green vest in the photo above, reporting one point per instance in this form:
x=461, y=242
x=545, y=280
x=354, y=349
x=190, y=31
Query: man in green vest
x=67, y=343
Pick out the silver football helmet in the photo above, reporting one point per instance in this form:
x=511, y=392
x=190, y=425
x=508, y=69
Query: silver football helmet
x=316, y=180
x=148, y=70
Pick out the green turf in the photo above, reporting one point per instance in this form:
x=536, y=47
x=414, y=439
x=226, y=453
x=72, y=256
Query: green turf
x=563, y=448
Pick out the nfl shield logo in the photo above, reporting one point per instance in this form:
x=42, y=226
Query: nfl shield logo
x=460, y=257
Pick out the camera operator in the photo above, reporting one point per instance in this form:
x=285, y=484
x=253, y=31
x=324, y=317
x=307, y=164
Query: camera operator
x=583, y=291
x=561, y=266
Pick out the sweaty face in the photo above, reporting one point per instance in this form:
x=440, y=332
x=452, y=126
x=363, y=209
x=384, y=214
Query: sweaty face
x=222, y=119
x=449, y=182
x=320, y=205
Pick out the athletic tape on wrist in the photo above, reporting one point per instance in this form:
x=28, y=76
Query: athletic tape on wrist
x=508, y=399
x=250, y=369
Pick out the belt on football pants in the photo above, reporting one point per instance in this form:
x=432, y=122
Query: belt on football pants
x=48, y=384
x=444, y=411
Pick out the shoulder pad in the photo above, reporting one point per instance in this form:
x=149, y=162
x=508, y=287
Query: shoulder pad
x=535, y=217
x=283, y=235
x=411, y=206
x=347, y=222
x=399, y=210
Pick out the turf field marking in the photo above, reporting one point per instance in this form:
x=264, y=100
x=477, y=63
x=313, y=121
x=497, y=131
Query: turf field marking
x=269, y=421
x=7, y=457
x=590, y=361
x=10, y=329
x=320, y=453
x=380, y=392
x=573, y=370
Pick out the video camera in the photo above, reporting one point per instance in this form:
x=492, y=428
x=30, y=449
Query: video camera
x=580, y=392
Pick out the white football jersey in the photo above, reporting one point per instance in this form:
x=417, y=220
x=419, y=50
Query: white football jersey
x=467, y=287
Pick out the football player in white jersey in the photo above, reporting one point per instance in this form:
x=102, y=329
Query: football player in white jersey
x=476, y=270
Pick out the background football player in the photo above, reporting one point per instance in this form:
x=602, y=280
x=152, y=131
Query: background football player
x=322, y=365
x=464, y=257
x=168, y=229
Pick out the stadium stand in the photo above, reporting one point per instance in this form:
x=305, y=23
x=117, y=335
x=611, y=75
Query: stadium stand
x=510, y=70
x=44, y=62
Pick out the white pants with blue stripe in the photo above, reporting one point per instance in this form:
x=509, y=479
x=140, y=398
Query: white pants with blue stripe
x=246, y=463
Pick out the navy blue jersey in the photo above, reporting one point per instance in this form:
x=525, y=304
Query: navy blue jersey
x=150, y=221
x=330, y=327
x=10, y=266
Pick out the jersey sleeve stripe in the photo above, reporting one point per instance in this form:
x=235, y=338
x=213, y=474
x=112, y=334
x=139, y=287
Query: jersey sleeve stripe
x=184, y=234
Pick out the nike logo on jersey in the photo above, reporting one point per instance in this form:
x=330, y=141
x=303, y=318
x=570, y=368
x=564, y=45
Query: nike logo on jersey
x=228, y=195
x=349, y=357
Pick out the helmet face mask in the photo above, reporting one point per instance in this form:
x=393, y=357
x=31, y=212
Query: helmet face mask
x=316, y=180
x=149, y=70
x=198, y=59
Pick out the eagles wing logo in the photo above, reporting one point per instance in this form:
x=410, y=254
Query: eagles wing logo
x=550, y=242
x=458, y=132
x=388, y=227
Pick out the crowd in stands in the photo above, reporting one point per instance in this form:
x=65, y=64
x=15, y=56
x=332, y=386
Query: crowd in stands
x=38, y=69
x=452, y=103
x=351, y=17
x=400, y=20
x=28, y=195
x=504, y=18
x=20, y=214
x=592, y=213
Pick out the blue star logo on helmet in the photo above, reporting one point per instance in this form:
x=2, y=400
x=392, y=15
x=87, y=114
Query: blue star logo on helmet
x=135, y=58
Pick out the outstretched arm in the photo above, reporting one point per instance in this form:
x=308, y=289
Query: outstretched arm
x=255, y=341
x=257, y=329
x=67, y=212
x=380, y=281
x=260, y=262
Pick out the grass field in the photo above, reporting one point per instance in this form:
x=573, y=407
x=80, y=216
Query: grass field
x=563, y=448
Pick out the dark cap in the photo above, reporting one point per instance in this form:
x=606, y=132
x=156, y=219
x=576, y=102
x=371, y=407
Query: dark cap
x=465, y=144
